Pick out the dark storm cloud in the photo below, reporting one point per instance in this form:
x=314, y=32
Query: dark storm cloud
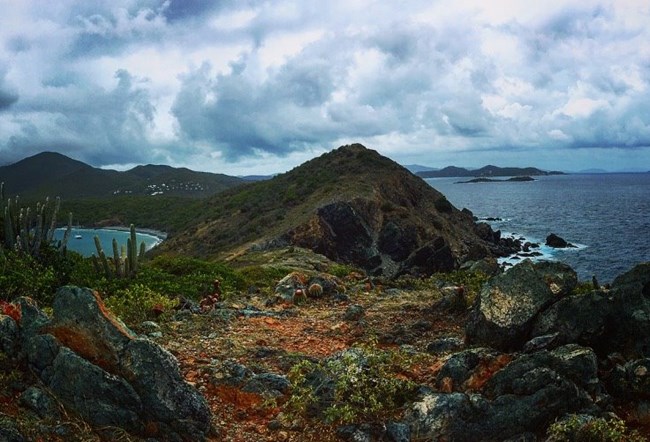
x=7, y=98
x=191, y=9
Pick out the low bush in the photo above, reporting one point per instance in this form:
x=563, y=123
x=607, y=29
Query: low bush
x=139, y=303
x=360, y=384
x=584, y=428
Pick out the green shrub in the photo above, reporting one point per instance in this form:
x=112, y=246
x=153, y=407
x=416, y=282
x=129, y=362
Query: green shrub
x=584, y=428
x=24, y=275
x=360, y=384
x=138, y=303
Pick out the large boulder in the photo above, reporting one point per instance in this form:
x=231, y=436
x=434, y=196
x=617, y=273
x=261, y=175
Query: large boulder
x=471, y=417
x=581, y=319
x=96, y=367
x=508, y=304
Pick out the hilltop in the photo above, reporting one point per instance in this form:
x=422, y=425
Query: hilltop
x=54, y=174
x=486, y=171
x=353, y=206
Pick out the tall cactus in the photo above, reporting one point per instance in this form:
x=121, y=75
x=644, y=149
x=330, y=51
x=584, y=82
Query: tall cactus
x=102, y=258
x=125, y=265
x=28, y=231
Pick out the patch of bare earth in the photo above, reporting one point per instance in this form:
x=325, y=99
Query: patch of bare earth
x=274, y=343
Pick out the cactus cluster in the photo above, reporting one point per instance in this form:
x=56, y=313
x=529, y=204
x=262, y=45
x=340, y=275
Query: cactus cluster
x=27, y=231
x=124, y=262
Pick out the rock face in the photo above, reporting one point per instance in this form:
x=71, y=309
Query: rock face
x=119, y=379
x=504, y=311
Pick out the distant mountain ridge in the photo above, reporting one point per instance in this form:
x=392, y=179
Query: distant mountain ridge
x=54, y=174
x=486, y=171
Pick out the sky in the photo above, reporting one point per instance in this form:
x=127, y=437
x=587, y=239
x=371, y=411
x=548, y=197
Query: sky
x=257, y=87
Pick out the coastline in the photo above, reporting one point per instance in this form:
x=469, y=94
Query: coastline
x=160, y=235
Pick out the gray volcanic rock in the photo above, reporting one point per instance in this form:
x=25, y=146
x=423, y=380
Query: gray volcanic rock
x=504, y=311
x=119, y=380
x=583, y=319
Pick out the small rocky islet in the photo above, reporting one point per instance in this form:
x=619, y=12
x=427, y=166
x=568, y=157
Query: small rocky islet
x=499, y=355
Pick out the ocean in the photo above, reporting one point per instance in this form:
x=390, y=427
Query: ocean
x=82, y=240
x=607, y=216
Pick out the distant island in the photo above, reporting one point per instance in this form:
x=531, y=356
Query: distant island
x=486, y=171
x=490, y=180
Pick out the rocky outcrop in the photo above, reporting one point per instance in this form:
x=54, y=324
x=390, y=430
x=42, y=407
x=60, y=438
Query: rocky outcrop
x=394, y=224
x=120, y=380
x=557, y=242
x=507, y=306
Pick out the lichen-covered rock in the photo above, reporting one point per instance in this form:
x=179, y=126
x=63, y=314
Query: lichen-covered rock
x=504, y=311
x=82, y=323
x=32, y=319
x=461, y=366
x=445, y=344
x=572, y=362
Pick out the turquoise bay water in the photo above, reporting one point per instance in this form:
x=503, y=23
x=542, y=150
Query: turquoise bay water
x=606, y=215
x=82, y=240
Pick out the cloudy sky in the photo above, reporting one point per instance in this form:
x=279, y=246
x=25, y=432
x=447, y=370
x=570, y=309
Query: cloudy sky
x=251, y=86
